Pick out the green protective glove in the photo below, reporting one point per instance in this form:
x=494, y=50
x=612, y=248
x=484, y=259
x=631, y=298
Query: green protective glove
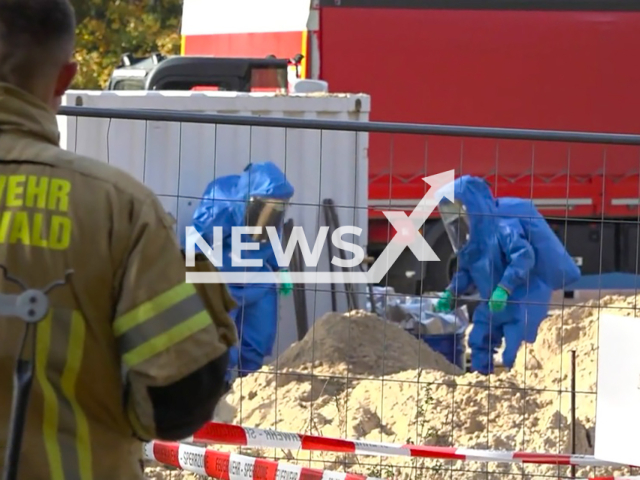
x=286, y=287
x=498, y=300
x=445, y=302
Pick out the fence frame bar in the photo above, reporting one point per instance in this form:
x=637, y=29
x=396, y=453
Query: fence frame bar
x=351, y=125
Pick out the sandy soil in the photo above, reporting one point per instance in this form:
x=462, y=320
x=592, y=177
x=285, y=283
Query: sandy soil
x=357, y=376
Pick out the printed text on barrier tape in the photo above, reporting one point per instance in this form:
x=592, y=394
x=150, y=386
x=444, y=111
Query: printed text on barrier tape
x=230, y=466
x=221, y=433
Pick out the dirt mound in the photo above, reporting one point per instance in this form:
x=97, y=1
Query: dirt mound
x=547, y=363
x=161, y=473
x=356, y=376
x=364, y=344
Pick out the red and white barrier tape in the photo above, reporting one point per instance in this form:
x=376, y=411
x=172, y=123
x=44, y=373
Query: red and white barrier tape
x=225, y=434
x=230, y=466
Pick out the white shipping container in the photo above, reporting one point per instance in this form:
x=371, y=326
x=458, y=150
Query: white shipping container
x=177, y=161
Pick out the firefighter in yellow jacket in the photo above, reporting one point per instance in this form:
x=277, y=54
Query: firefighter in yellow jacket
x=128, y=352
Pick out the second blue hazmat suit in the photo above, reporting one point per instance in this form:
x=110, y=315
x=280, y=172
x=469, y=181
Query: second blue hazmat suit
x=256, y=198
x=509, y=254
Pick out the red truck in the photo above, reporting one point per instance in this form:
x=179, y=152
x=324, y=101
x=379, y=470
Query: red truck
x=542, y=64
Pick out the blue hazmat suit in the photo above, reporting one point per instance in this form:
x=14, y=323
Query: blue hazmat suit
x=224, y=204
x=509, y=245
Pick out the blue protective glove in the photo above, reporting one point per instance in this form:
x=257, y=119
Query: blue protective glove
x=286, y=287
x=498, y=300
x=445, y=302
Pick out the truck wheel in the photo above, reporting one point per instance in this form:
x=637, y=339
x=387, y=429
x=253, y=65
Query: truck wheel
x=437, y=275
x=404, y=274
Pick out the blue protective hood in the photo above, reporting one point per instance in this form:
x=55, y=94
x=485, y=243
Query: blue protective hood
x=487, y=215
x=475, y=195
x=263, y=179
x=224, y=201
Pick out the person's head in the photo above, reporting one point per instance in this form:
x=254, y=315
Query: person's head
x=37, y=39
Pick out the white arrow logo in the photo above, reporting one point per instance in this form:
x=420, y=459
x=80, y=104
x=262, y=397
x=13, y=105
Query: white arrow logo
x=407, y=228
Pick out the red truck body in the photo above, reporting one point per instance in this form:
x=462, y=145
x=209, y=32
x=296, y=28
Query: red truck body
x=563, y=65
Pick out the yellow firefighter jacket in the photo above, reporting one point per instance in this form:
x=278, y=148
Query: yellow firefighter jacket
x=125, y=320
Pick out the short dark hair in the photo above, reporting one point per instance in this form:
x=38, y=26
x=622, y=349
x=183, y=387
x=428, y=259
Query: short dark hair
x=34, y=34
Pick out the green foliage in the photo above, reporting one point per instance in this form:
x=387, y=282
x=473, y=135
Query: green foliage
x=109, y=28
